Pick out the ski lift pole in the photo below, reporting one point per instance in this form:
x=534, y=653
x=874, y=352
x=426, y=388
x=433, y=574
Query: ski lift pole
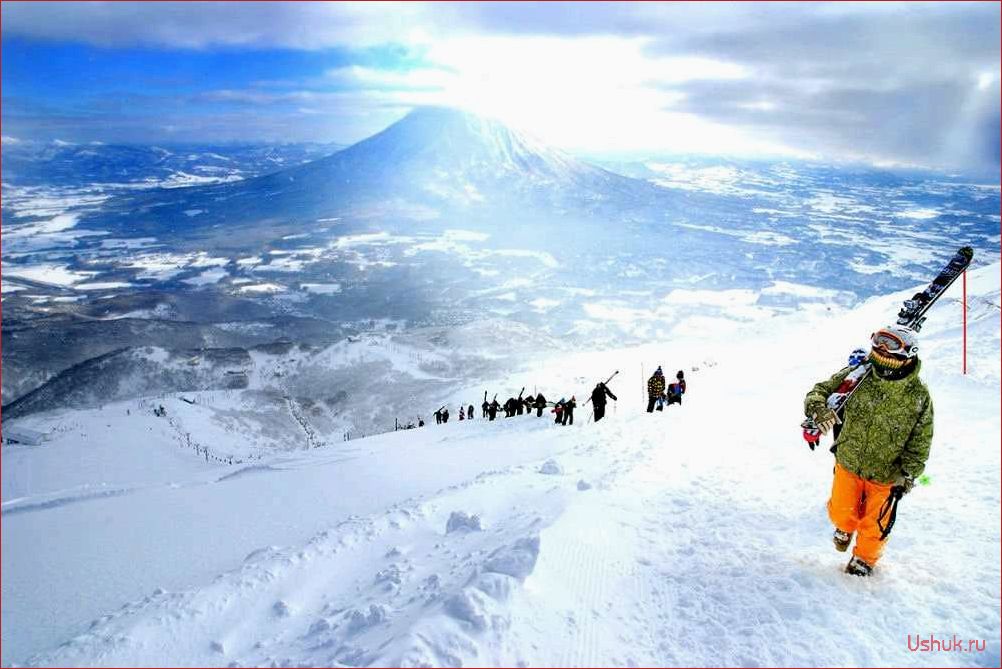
x=964, y=308
x=642, y=377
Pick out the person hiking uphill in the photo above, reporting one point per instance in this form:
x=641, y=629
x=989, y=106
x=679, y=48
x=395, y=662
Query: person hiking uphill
x=567, y=417
x=655, y=388
x=558, y=410
x=676, y=390
x=882, y=447
x=598, y=399
x=540, y=404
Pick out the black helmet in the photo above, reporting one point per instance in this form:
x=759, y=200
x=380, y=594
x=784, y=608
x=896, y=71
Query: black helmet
x=680, y=375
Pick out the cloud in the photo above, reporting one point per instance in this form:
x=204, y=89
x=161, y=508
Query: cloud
x=201, y=25
x=913, y=83
x=898, y=82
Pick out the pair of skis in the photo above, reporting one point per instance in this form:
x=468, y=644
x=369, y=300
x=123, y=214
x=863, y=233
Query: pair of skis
x=911, y=315
x=606, y=382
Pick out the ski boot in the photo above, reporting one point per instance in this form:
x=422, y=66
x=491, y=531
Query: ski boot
x=841, y=540
x=858, y=567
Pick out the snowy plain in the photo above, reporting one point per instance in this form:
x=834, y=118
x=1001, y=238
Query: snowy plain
x=694, y=537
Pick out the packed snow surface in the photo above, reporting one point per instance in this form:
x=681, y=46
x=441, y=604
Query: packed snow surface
x=696, y=536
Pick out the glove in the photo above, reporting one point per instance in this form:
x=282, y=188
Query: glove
x=905, y=484
x=826, y=420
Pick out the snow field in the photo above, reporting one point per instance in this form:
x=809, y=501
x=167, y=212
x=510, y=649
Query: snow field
x=695, y=536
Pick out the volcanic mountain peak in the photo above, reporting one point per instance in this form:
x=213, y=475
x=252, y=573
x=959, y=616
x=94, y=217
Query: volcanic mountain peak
x=452, y=138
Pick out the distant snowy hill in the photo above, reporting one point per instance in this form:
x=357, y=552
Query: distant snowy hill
x=693, y=537
x=31, y=163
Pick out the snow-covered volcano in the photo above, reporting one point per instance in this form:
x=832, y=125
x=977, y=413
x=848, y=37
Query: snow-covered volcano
x=444, y=142
x=435, y=163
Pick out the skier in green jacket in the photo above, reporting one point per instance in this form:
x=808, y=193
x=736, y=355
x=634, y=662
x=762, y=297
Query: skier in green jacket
x=883, y=445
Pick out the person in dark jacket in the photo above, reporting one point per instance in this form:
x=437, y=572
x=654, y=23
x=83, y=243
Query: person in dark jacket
x=540, y=404
x=677, y=389
x=492, y=409
x=438, y=417
x=469, y=412
x=485, y=406
x=445, y=415
x=569, y=406
x=558, y=411
x=598, y=399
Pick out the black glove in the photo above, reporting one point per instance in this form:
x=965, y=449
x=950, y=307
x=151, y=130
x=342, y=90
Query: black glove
x=905, y=484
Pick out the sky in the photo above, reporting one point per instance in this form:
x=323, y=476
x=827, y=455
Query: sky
x=910, y=84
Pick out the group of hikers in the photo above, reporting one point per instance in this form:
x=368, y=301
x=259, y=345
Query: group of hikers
x=659, y=394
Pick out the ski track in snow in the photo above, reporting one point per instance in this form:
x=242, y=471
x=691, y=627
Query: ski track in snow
x=699, y=535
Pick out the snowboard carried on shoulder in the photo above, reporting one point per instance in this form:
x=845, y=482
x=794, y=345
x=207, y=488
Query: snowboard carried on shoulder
x=911, y=315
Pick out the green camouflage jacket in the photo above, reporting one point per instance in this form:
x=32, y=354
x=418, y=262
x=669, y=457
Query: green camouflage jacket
x=887, y=425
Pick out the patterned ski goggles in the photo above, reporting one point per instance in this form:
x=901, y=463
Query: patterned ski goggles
x=887, y=341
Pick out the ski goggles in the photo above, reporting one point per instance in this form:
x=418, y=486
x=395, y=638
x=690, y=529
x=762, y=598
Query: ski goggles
x=889, y=342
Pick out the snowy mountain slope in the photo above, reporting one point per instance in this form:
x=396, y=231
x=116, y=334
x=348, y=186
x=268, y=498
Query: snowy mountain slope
x=697, y=536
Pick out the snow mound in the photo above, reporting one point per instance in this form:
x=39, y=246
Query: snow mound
x=551, y=467
x=517, y=560
x=458, y=520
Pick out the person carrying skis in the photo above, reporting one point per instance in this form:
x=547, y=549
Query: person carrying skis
x=568, y=415
x=493, y=408
x=485, y=406
x=540, y=404
x=438, y=417
x=882, y=447
x=598, y=399
x=655, y=388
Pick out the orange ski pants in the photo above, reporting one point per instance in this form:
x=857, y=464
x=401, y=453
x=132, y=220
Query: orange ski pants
x=854, y=506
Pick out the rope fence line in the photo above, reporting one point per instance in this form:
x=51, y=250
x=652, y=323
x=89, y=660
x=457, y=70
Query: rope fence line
x=183, y=438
